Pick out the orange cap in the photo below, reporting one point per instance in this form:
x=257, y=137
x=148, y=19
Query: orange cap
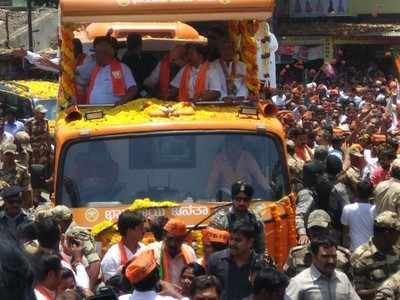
x=377, y=138
x=215, y=235
x=176, y=228
x=141, y=266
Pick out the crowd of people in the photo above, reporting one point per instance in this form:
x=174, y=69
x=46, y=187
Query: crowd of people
x=46, y=255
x=342, y=146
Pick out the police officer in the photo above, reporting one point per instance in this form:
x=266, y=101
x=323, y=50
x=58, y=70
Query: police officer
x=300, y=257
x=378, y=259
x=12, y=216
x=242, y=194
x=12, y=172
x=38, y=130
x=63, y=216
x=24, y=149
x=390, y=289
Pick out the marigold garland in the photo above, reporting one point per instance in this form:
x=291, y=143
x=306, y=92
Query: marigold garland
x=279, y=249
x=67, y=81
x=100, y=227
x=138, y=111
x=40, y=89
x=148, y=238
x=292, y=239
x=197, y=242
x=146, y=203
x=249, y=57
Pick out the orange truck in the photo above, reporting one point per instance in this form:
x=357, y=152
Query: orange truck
x=108, y=157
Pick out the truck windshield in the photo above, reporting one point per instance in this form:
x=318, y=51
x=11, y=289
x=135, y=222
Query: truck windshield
x=177, y=167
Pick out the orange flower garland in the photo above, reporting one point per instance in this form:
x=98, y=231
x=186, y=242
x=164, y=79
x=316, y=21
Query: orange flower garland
x=67, y=85
x=249, y=57
x=235, y=36
x=291, y=222
x=279, y=251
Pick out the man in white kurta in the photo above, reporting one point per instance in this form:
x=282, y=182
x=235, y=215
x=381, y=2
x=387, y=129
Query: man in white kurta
x=231, y=73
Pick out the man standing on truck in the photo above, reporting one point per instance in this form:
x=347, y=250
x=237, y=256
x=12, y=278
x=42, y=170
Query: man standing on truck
x=196, y=81
x=231, y=73
x=165, y=71
x=141, y=64
x=111, y=82
x=242, y=194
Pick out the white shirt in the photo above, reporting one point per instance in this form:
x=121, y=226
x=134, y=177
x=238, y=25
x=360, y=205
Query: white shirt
x=154, y=77
x=212, y=81
x=175, y=264
x=80, y=274
x=360, y=219
x=239, y=80
x=111, y=263
x=102, y=92
x=279, y=100
x=372, y=163
x=150, y=295
x=312, y=285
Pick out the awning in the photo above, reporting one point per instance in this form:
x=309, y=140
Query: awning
x=88, y=11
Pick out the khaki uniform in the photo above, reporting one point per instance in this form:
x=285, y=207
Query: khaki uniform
x=390, y=289
x=18, y=175
x=39, y=133
x=24, y=150
x=372, y=267
x=226, y=218
x=300, y=258
x=23, y=158
x=387, y=196
x=83, y=235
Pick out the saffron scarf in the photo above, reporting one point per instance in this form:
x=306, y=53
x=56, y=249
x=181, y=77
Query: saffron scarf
x=200, y=84
x=165, y=74
x=122, y=253
x=117, y=78
x=164, y=261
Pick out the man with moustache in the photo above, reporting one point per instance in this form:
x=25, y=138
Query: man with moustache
x=234, y=265
x=321, y=280
x=242, y=194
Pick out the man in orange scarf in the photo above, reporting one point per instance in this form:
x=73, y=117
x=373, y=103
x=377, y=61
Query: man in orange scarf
x=172, y=254
x=111, y=81
x=166, y=70
x=197, y=81
x=302, y=150
x=131, y=228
